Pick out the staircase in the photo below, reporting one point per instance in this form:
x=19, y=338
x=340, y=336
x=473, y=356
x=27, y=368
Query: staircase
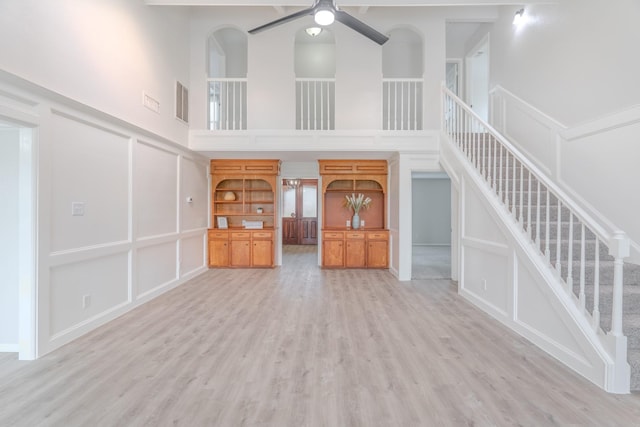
x=561, y=258
x=586, y=257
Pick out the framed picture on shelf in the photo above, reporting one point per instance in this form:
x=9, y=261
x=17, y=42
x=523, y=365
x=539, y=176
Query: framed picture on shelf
x=222, y=222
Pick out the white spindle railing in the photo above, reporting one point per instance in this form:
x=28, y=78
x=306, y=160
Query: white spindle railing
x=548, y=211
x=227, y=104
x=402, y=104
x=315, y=104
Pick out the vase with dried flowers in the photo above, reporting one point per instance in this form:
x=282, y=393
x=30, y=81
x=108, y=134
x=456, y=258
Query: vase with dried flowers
x=356, y=203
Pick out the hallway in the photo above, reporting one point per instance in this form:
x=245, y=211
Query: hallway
x=299, y=345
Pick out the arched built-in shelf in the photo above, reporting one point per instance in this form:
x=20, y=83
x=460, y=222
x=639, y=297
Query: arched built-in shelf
x=343, y=246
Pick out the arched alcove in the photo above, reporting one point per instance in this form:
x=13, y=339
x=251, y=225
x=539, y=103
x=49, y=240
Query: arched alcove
x=403, y=69
x=315, y=69
x=227, y=78
x=315, y=56
x=402, y=55
x=227, y=50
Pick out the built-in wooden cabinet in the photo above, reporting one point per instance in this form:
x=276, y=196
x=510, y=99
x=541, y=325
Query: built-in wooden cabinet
x=218, y=248
x=243, y=213
x=378, y=249
x=333, y=248
x=368, y=246
x=354, y=253
x=355, y=249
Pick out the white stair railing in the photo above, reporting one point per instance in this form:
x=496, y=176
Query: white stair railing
x=227, y=104
x=547, y=215
x=315, y=104
x=402, y=104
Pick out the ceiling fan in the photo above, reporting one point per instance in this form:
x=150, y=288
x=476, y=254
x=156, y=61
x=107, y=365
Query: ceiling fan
x=324, y=13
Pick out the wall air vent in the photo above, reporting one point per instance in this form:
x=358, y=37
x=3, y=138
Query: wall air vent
x=182, y=102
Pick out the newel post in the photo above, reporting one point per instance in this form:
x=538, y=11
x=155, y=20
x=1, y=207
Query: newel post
x=619, y=249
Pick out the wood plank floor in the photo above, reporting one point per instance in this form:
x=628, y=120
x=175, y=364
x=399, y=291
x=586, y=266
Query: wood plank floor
x=302, y=346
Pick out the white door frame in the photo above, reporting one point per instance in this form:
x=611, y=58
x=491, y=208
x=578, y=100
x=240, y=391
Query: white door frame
x=27, y=231
x=27, y=264
x=460, y=75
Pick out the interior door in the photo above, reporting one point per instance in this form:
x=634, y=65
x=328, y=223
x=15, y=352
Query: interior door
x=300, y=212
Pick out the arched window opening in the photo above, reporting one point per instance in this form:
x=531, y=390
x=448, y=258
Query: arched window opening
x=315, y=70
x=402, y=68
x=227, y=79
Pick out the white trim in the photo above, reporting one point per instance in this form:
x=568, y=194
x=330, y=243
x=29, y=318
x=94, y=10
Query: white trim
x=28, y=243
x=603, y=124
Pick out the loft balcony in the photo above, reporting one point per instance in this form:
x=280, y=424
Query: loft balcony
x=320, y=97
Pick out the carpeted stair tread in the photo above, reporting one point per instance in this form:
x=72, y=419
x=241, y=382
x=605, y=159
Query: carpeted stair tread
x=634, y=364
x=630, y=298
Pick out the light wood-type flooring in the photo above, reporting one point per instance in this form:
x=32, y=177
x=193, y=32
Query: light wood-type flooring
x=431, y=262
x=302, y=346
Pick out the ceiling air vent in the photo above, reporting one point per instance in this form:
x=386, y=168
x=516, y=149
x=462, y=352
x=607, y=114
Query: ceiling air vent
x=182, y=102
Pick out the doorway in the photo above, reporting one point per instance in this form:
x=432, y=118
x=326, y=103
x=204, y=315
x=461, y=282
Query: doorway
x=453, y=76
x=300, y=212
x=477, y=64
x=431, y=225
x=17, y=247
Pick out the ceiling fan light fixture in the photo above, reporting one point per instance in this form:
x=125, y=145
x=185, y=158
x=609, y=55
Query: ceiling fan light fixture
x=313, y=31
x=324, y=17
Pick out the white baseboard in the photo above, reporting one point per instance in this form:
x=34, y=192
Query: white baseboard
x=8, y=348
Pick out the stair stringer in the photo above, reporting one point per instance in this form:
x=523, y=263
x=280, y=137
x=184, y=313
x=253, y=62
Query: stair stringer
x=523, y=280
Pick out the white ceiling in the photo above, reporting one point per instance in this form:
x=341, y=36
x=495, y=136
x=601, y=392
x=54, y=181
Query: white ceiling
x=346, y=3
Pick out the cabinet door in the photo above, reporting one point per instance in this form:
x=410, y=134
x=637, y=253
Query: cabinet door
x=333, y=253
x=377, y=254
x=218, y=253
x=240, y=253
x=354, y=254
x=262, y=253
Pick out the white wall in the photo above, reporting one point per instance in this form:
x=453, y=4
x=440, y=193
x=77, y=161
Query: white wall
x=431, y=211
x=75, y=71
x=138, y=236
x=102, y=53
x=9, y=175
x=573, y=60
x=316, y=58
x=403, y=55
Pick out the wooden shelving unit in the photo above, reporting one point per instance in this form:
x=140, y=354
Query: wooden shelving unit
x=367, y=247
x=243, y=190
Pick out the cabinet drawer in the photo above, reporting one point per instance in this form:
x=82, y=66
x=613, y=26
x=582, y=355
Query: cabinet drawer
x=218, y=235
x=333, y=235
x=355, y=235
x=382, y=235
x=240, y=235
x=263, y=235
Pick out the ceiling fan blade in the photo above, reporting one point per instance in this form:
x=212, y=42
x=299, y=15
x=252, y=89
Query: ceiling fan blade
x=361, y=27
x=282, y=20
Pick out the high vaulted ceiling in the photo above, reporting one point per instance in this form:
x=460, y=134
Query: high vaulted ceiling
x=345, y=3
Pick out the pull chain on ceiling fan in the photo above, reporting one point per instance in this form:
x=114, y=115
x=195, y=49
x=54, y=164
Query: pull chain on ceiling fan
x=324, y=12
